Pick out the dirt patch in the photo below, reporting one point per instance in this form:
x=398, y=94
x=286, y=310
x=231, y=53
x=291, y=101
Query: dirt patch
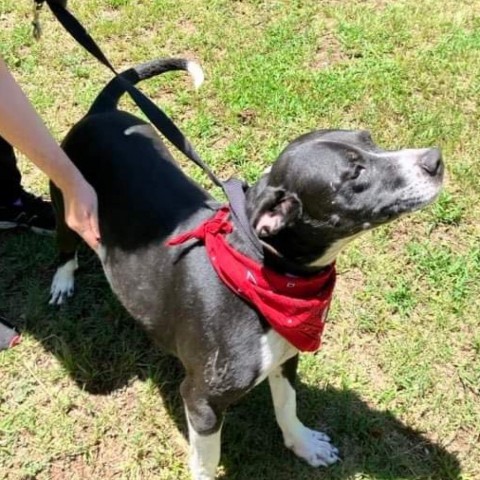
x=329, y=52
x=188, y=27
x=104, y=461
x=349, y=281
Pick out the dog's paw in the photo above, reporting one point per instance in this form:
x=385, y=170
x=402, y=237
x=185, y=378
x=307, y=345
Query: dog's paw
x=63, y=283
x=314, y=447
x=62, y=288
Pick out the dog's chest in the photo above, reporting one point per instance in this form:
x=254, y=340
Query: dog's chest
x=274, y=351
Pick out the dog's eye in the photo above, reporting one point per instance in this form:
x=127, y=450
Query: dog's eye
x=352, y=156
x=356, y=171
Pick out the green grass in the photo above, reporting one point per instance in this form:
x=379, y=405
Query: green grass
x=396, y=383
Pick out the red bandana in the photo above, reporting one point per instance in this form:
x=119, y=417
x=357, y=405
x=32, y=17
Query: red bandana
x=295, y=307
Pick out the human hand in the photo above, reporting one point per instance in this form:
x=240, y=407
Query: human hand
x=81, y=211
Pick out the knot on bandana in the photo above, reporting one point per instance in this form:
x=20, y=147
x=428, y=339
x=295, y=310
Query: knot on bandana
x=295, y=307
x=213, y=226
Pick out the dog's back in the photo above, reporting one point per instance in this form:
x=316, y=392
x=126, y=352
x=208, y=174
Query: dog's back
x=142, y=193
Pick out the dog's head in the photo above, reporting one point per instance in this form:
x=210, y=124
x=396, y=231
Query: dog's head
x=328, y=186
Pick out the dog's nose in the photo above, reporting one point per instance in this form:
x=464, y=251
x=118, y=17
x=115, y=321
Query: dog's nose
x=431, y=162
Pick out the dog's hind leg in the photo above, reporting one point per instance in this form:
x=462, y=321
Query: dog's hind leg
x=312, y=446
x=204, y=432
x=67, y=243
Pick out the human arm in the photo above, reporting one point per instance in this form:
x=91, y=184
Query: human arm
x=21, y=126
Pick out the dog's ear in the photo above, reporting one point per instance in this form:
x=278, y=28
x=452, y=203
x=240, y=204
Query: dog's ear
x=275, y=209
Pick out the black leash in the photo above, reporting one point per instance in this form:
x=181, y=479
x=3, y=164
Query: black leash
x=234, y=189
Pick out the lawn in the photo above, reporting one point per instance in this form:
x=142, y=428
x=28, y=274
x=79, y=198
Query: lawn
x=397, y=382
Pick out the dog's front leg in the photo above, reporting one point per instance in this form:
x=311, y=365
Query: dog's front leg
x=312, y=446
x=204, y=432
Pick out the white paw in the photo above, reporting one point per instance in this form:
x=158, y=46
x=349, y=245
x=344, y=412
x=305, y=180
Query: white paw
x=63, y=283
x=314, y=447
x=199, y=471
x=202, y=476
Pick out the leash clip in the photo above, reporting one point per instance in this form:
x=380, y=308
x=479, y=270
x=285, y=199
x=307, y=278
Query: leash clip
x=37, y=27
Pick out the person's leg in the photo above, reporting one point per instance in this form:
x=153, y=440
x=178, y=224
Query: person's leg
x=10, y=188
x=19, y=208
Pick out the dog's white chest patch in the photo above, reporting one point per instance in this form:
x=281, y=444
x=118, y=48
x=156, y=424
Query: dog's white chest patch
x=331, y=254
x=274, y=351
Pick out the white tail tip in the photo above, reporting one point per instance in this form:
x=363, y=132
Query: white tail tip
x=195, y=70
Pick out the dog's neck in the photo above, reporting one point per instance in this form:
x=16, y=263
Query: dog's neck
x=304, y=247
x=276, y=260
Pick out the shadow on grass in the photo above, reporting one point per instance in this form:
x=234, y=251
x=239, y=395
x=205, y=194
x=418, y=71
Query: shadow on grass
x=103, y=349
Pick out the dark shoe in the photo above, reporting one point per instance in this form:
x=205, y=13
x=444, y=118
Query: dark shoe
x=28, y=212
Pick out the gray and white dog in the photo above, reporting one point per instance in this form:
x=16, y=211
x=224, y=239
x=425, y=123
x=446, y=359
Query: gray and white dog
x=325, y=189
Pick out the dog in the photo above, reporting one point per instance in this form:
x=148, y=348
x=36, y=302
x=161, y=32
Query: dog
x=326, y=188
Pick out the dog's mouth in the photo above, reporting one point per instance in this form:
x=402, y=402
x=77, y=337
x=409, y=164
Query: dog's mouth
x=404, y=206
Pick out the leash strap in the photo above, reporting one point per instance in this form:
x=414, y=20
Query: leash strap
x=234, y=189
x=37, y=26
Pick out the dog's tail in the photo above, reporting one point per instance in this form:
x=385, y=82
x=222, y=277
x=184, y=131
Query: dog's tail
x=108, y=98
